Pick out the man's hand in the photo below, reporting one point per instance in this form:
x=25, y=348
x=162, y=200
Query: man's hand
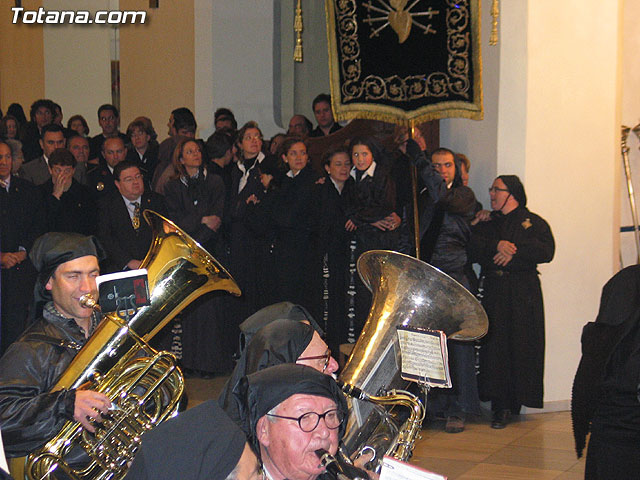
x=88, y=407
x=362, y=460
x=252, y=199
x=134, y=264
x=8, y=259
x=61, y=183
x=507, y=248
x=213, y=222
x=481, y=216
x=11, y=259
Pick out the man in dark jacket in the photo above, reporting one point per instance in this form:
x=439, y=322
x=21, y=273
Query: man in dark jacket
x=69, y=205
x=21, y=222
x=122, y=228
x=30, y=412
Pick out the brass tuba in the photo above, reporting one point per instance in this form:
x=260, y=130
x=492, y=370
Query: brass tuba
x=145, y=390
x=408, y=292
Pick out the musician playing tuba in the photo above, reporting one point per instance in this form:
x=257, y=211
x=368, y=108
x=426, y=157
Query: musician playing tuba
x=30, y=413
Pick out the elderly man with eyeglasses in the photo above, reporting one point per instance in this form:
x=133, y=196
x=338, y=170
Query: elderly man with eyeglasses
x=289, y=411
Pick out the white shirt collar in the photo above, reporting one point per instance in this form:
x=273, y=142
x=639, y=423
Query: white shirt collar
x=245, y=173
x=338, y=187
x=367, y=173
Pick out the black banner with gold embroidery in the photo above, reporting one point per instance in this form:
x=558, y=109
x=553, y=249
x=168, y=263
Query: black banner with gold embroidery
x=405, y=61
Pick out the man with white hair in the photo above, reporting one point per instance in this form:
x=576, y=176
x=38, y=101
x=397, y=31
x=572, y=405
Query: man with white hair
x=289, y=412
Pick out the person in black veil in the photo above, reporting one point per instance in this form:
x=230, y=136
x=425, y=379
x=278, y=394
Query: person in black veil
x=605, y=398
x=281, y=341
x=509, y=247
x=200, y=444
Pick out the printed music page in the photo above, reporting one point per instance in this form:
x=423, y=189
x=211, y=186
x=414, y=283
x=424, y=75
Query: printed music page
x=424, y=356
x=3, y=459
x=393, y=469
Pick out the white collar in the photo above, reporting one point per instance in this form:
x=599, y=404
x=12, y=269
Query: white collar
x=338, y=187
x=367, y=173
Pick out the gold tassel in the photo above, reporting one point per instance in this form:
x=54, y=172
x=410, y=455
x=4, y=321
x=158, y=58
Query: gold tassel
x=297, y=27
x=495, y=12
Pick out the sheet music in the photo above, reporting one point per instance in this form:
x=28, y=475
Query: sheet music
x=393, y=469
x=425, y=358
x=3, y=459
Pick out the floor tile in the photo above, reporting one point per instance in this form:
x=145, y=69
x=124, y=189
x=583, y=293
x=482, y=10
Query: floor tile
x=542, y=458
x=503, y=472
x=559, y=440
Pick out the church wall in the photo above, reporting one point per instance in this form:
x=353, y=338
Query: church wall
x=77, y=63
x=630, y=74
x=22, y=60
x=572, y=165
x=157, y=62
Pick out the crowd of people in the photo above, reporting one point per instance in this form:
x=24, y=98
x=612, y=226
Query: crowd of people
x=284, y=230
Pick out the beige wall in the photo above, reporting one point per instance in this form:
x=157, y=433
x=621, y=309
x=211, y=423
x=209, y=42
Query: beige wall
x=22, y=59
x=572, y=164
x=157, y=62
x=77, y=63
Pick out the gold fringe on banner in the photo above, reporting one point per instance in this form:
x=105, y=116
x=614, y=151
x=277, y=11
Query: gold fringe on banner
x=495, y=12
x=297, y=28
x=387, y=113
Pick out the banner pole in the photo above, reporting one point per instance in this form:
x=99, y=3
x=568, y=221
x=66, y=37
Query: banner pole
x=414, y=189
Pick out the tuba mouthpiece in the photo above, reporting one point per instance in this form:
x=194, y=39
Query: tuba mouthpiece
x=89, y=302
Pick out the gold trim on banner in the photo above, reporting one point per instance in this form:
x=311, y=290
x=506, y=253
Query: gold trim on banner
x=436, y=84
x=297, y=28
x=495, y=13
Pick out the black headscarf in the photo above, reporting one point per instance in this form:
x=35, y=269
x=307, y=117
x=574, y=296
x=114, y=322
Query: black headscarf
x=266, y=315
x=259, y=392
x=52, y=250
x=515, y=187
x=201, y=443
x=281, y=341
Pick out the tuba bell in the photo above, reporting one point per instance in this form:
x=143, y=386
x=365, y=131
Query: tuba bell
x=407, y=292
x=144, y=385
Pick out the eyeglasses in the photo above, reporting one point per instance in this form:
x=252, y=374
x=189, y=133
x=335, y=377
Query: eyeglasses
x=309, y=421
x=496, y=190
x=326, y=356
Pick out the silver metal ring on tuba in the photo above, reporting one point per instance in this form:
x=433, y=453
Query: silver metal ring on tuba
x=144, y=385
x=407, y=292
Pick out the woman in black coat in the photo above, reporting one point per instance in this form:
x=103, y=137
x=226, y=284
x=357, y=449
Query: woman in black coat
x=331, y=274
x=372, y=210
x=195, y=202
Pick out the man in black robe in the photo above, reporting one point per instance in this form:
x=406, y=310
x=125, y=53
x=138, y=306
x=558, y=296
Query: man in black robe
x=200, y=444
x=605, y=398
x=509, y=247
x=289, y=412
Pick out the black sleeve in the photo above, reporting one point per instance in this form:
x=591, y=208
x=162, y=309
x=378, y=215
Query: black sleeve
x=29, y=413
